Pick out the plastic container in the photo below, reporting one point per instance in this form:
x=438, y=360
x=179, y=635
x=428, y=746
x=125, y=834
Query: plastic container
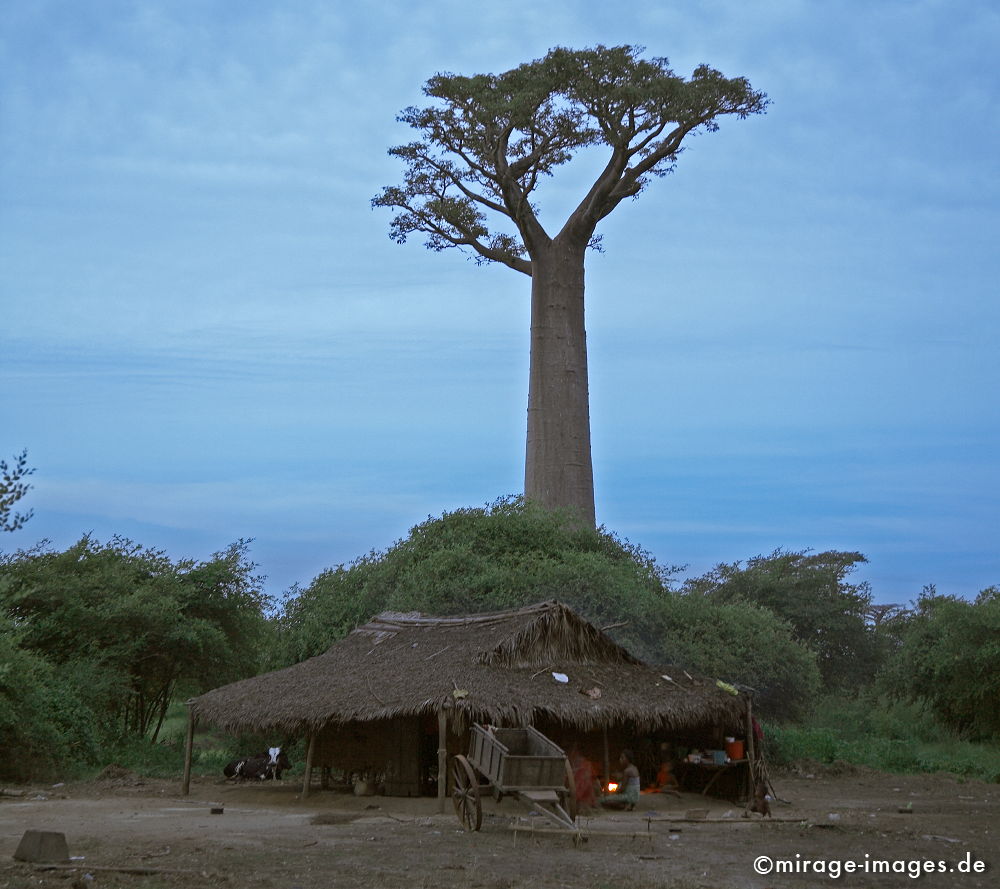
x=734, y=749
x=719, y=757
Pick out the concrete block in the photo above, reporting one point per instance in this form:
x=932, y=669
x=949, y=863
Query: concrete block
x=42, y=845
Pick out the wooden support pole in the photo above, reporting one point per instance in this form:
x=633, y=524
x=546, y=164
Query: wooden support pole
x=751, y=754
x=442, y=759
x=607, y=758
x=310, y=750
x=188, y=752
x=751, y=751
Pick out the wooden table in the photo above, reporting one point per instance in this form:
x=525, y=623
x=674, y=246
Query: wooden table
x=686, y=771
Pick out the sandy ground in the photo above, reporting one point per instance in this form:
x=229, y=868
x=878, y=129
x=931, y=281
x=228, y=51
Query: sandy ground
x=268, y=837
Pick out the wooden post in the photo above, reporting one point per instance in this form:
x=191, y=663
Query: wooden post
x=751, y=751
x=607, y=758
x=310, y=750
x=188, y=751
x=442, y=759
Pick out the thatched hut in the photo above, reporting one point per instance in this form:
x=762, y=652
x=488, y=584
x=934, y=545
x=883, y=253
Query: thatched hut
x=404, y=687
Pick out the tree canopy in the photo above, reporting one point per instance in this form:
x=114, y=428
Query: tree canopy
x=812, y=592
x=737, y=641
x=949, y=660
x=492, y=138
x=116, y=631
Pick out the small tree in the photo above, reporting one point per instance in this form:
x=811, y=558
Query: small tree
x=133, y=626
x=736, y=641
x=812, y=592
x=12, y=489
x=485, y=148
x=949, y=661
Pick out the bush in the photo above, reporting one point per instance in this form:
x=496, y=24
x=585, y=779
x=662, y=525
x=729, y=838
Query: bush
x=738, y=642
x=811, y=591
x=96, y=641
x=45, y=719
x=892, y=737
x=949, y=660
x=139, y=624
x=511, y=553
x=504, y=555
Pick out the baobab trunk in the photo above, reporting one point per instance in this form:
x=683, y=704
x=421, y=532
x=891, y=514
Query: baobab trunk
x=558, y=472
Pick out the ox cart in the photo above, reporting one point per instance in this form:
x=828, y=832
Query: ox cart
x=520, y=762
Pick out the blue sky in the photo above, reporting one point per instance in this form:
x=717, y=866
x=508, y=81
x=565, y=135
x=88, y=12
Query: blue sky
x=206, y=333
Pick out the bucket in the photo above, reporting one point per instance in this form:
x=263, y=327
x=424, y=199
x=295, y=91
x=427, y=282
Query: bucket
x=734, y=749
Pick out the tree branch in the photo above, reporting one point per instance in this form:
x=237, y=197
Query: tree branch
x=516, y=198
x=456, y=180
x=461, y=236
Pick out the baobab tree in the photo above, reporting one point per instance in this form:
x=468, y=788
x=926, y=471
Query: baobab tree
x=483, y=149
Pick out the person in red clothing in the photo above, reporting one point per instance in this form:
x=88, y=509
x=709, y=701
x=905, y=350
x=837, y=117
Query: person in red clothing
x=666, y=781
x=583, y=776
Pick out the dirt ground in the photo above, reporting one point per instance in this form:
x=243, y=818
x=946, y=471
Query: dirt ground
x=267, y=837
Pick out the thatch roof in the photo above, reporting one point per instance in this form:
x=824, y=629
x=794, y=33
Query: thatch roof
x=495, y=668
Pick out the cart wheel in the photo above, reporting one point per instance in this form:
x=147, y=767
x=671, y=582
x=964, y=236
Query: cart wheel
x=465, y=794
x=569, y=799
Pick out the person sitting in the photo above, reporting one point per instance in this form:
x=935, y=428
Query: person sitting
x=627, y=794
x=583, y=777
x=666, y=781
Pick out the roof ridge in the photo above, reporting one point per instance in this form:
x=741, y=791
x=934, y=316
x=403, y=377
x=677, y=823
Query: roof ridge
x=392, y=619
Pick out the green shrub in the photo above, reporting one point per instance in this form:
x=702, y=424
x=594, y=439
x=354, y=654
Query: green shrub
x=45, y=717
x=949, y=661
x=96, y=641
x=500, y=556
x=511, y=553
x=891, y=737
x=811, y=591
x=738, y=642
x=140, y=624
